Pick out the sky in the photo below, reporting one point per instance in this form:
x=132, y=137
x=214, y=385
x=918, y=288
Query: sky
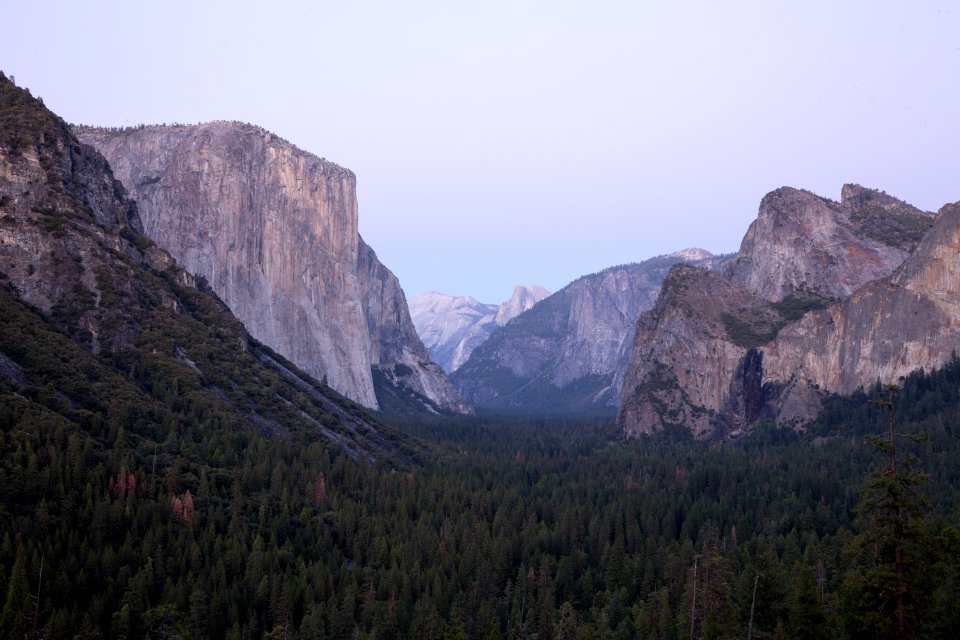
x=505, y=142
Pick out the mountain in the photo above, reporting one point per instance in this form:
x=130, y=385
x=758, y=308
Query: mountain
x=705, y=350
x=453, y=326
x=523, y=298
x=883, y=332
x=273, y=231
x=801, y=242
x=102, y=333
x=569, y=352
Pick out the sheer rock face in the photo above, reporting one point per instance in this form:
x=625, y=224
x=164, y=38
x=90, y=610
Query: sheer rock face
x=802, y=242
x=273, y=230
x=76, y=271
x=453, y=326
x=720, y=353
x=885, y=330
x=686, y=364
x=398, y=355
x=570, y=351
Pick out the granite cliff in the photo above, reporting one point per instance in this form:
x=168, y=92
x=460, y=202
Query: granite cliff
x=451, y=327
x=807, y=244
x=102, y=331
x=687, y=350
x=707, y=349
x=570, y=351
x=273, y=231
x=885, y=330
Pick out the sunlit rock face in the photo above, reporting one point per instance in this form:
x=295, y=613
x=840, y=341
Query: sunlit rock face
x=273, y=230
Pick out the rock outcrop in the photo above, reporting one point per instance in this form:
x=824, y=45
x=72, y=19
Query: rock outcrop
x=801, y=242
x=95, y=312
x=273, y=230
x=570, y=351
x=402, y=367
x=887, y=329
x=451, y=327
x=689, y=350
x=759, y=342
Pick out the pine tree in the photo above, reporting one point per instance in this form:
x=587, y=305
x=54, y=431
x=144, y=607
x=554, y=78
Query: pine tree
x=14, y=621
x=887, y=592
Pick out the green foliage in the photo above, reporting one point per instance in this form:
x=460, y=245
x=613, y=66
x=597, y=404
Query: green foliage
x=889, y=590
x=799, y=303
x=899, y=227
x=750, y=331
x=550, y=526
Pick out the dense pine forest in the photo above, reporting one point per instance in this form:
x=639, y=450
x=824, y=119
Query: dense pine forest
x=117, y=526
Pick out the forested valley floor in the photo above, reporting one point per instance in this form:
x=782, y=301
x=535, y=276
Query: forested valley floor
x=115, y=528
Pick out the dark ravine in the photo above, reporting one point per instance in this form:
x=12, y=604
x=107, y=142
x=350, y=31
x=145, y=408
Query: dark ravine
x=814, y=302
x=273, y=229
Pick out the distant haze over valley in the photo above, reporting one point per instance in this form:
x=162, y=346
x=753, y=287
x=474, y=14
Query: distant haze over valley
x=452, y=326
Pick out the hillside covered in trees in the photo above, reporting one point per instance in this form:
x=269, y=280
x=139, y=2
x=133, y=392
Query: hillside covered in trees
x=164, y=475
x=509, y=530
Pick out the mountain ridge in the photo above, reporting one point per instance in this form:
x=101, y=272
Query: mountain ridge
x=802, y=258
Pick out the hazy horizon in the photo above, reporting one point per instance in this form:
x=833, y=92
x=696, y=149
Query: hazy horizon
x=509, y=143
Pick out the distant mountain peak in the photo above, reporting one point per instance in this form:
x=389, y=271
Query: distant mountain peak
x=451, y=327
x=523, y=298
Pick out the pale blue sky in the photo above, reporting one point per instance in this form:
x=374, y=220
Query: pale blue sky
x=499, y=142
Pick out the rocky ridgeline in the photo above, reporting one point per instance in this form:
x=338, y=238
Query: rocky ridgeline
x=568, y=353
x=808, y=306
x=273, y=230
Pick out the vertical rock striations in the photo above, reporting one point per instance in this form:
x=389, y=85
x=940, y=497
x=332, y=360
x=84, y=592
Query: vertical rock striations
x=105, y=320
x=273, y=230
x=402, y=367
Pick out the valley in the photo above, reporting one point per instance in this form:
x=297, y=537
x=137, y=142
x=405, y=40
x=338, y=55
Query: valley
x=218, y=420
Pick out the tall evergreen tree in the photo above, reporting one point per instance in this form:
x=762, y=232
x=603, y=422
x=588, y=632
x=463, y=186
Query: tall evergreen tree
x=14, y=620
x=887, y=592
